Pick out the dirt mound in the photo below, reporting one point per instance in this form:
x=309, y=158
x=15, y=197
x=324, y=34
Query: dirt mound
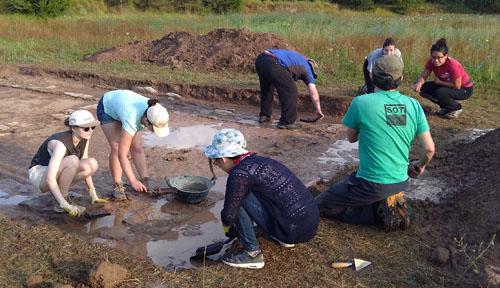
x=467, y=223
x=234, y=49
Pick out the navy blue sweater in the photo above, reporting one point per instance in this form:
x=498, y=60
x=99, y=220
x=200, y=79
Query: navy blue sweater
x=294, y=214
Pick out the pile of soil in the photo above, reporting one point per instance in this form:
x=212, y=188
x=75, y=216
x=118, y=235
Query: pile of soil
x=221, y=49
x=468, y=222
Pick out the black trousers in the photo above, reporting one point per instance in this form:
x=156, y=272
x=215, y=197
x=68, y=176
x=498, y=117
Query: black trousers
x=355, y=200
x=368, y=81
x=272, y=75
x=445, y=97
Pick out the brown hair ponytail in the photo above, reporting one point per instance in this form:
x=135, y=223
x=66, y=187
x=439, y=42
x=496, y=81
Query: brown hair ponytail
x=440, y=46
x=152, y=102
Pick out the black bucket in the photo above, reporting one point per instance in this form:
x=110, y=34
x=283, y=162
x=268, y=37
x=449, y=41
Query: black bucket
x=190, y=189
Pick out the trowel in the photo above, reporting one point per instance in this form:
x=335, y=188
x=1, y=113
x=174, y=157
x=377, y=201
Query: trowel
x=358, y=264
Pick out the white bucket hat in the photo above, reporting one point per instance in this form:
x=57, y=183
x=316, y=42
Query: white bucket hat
x=226, y=143
x=158, y=116
x=82, y=118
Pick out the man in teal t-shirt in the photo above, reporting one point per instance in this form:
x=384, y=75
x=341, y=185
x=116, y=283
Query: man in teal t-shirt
x=385, y=123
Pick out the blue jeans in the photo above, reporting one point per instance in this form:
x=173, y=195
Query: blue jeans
x=251, y=211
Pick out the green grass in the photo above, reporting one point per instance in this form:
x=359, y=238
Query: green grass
x=339, y=39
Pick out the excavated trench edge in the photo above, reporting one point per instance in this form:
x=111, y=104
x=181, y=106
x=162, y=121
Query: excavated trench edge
x=331, y=105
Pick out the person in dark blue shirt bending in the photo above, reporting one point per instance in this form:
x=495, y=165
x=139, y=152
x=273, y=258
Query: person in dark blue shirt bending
x=280, y=69
x=263, y=191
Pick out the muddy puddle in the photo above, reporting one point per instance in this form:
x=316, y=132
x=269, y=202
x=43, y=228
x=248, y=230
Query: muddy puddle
x=163, y=229
x=197, y=136
x=12, y=193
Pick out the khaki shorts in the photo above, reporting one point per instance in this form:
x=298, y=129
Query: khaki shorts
x=36, y=174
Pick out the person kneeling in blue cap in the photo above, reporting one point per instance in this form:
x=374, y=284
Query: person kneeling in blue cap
x=264, y=191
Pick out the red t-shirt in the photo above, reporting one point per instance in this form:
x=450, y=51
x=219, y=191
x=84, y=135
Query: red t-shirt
x=450, y=70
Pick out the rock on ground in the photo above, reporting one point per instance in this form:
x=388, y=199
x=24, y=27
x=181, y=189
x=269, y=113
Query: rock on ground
x=107, y=275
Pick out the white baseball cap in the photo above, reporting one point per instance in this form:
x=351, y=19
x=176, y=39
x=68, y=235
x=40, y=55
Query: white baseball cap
x=82, y=118
x=158, y=116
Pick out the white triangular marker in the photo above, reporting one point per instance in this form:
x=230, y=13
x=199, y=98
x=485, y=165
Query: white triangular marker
x=360, y=264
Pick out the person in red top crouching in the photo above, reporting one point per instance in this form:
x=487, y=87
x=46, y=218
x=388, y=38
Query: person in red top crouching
x=451, y=84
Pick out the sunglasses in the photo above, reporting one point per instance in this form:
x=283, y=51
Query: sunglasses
x=87, y=129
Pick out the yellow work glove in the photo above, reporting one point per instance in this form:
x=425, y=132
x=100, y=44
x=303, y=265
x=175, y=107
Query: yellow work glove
x=230, y=231
x=72, y=210
x=226, y=229
x=95, y=199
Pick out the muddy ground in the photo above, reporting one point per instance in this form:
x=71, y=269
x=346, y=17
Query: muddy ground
x=153, y=238
x=450, y=244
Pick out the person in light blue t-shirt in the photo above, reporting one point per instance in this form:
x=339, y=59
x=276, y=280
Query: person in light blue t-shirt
x=123, y=114
x=385, y=123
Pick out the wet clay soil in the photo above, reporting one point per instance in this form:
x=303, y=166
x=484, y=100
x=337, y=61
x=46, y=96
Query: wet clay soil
x=162, y=229
x=151, y=228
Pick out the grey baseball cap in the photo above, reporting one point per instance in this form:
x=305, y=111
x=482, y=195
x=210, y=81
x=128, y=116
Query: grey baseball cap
x=388, y=65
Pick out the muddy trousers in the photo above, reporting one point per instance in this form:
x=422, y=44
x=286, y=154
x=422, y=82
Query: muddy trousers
x=272, y=75
x=445, y=97
x=355, y=200
x=368, y=80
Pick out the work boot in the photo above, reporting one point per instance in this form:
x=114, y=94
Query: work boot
x=401, y=208
x=119, y=192
x=393, y=213
x=288, y=126
x=264, y=119
x=243, y=259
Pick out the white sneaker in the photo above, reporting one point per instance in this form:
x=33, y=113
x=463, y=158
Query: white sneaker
x=453, y=114
x=283, y=244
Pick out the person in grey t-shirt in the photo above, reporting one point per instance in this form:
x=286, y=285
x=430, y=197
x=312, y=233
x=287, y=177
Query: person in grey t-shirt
x=388, y=48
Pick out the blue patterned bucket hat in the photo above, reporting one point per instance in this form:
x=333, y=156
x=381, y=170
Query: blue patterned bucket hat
x=226, y=143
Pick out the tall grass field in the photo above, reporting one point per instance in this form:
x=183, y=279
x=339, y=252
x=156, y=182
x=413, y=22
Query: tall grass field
x=338, y=40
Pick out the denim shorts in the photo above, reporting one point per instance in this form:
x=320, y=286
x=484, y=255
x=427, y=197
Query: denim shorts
x=102, y=116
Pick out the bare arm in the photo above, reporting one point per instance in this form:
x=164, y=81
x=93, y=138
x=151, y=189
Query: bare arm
x=426, y=153
x=352, y=134
x=123, y=149
x=421, y=80
x=57, y=150
x=455, y=84
x=313, y=92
